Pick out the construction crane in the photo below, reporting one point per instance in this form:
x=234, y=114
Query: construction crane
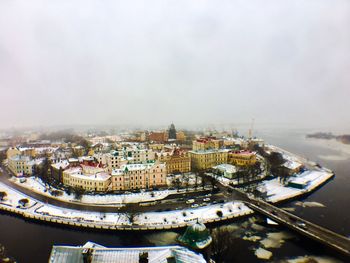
x=251, y=130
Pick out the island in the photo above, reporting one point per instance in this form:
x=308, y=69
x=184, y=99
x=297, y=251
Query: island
x=345, y=138
x=146, y=181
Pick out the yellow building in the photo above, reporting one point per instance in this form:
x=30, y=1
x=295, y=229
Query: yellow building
x=206, y=143
x=27, y=151
x=180, y=136
x=139, y=176
x=241, y=158
x=177, y=161
x=156, y=146
x=201, y=160
x=88, y=178
x=22, y=165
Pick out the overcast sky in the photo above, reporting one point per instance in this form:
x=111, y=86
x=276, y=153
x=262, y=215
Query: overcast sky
x=187, y=62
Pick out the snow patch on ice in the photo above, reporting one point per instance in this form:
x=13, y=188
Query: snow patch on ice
x=263, y=253
x=309, y=204
x=252, y=238
x=275, y=240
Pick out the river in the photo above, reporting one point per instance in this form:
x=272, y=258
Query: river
x=32, y=241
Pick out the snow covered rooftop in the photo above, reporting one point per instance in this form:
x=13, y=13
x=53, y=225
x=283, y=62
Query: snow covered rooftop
x=73, y=170
x=210, y=151
x=93, y=177
x=67, y=254
x=306, y=177
x=135, y=167
x=292, y=165
x=85, y=158
x=62, y=164
x=20, y=158
x=229, y=168
x=35, y=161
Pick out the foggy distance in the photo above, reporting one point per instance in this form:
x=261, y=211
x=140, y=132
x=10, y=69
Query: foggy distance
x=152, y=63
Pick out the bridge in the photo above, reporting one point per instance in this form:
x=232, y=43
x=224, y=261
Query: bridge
x=320, y=234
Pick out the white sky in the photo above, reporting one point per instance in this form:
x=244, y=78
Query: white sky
x=187, y=62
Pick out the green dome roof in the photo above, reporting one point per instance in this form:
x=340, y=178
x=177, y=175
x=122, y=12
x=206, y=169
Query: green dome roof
x=196, y=236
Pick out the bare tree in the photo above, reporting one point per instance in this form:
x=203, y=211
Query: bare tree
x=223, y=245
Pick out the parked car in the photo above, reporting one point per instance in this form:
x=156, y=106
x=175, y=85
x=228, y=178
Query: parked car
x=194, y=205
x=190, y=201
x=206, y=199
x=22, y=180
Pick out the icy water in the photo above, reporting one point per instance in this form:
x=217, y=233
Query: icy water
x=328, y=206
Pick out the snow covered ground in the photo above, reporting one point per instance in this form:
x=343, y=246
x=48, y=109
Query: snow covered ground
x=276, y=191
x=12, y=197
x=36, y=185
x=165, y=219
x=207, y=213
x=169, y=218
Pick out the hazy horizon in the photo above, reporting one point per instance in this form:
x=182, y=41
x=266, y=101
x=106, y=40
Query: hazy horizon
x=147, y=64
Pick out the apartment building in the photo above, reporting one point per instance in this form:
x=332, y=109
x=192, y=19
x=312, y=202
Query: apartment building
x=139, y=176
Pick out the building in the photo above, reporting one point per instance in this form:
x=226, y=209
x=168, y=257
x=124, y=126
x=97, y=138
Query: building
x=89, y=178
x=176, y=162
x=172, y=132
x=131, y=155
x=207, y=143
x=293, y=167
x=22, y=165
x=26, y=151
x=241, y=158
x=139, y=176
x=94, y=253
x=226, y=170
x=180, y=136
x=160, y=136
x=156, y=146
x=205, y=159
x=57, y=169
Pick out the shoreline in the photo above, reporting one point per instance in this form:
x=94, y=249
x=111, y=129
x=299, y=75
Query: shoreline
x=149, y=221
x=94, y=225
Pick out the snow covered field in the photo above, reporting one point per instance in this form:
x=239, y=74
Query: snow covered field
x=276, y=191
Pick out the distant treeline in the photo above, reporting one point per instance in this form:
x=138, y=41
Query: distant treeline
x=65, y=136
x=345, y=138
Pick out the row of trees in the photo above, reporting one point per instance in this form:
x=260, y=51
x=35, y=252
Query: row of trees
x=201, y=180
x=248, y=173
x=274, y=163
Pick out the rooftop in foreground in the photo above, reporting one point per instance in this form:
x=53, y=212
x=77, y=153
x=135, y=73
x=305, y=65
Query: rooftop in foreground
x=92, y=253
